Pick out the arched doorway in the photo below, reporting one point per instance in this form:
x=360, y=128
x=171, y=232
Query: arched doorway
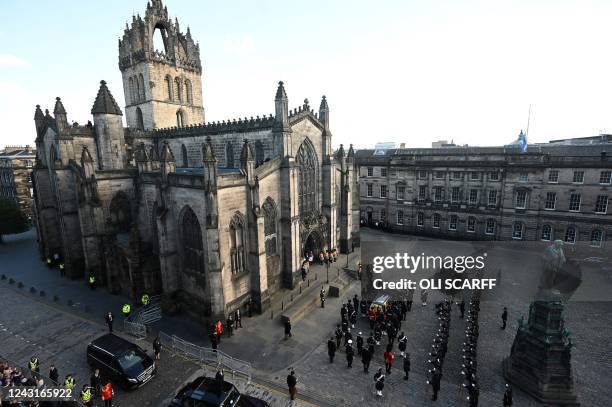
x=313, y=242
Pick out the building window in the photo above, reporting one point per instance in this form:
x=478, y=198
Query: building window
x=191, y=239
x=188, y=91
x=578, y=177
x=422, y=192
x=420, y=219
x=570, y=235
x=551, y=201
x=523, y=177
x=574, y=203
x=180, y=119
x=457, y=175
x=139, y=119
x=168, y=82
x=492, y=197
x=490, y=227
x=229, y=156
x=422, y=174
x=521, y=200
x=141, y=85
x=436, y=220
x=601, y=205
x=596, y=238
x=269, y=210
x=546, y=232
x=383, y=191
x=605, y=177
x=383, y=215
x=452, y=225
x=400, y=217
x=494, y=176
x=237, y=255
x=370, y=171
x=400, y=192
x=307, y=178
x=184, y=156
x=440, y=174
x=553, y=176
x=131, y=90
x=471, y=224
x=517, y=230
x=369, y=190
x=178, y=90
x=383, y=172
x=473, y=196
x=456, y=194
x=438, y=194
x=474, y=176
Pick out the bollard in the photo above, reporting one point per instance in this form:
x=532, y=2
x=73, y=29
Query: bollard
x=271, y=314
x=2, y=277
x=300, y=288
x=55, y=298
x=20, y=284
x=42, y=293
x=11, y=281
x=282, y=305
x=317, y=276
x=291, y=296
x=32, y=290
x=308, y=282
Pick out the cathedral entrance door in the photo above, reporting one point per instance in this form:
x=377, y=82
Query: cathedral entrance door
x=314, y=243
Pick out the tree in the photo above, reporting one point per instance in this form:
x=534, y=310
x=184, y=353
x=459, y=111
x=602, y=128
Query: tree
x=12, y=219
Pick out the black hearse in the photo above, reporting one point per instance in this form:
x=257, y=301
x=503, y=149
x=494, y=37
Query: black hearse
x=121, y=361
x=208, y=392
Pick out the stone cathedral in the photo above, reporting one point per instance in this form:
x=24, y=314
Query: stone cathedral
x=208, y=214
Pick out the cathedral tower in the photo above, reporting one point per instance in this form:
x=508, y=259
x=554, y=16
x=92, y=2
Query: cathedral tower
x=162, y=87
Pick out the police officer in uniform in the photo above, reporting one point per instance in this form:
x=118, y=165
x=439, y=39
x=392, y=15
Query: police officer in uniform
x=331, y=349
x=62, y=269
x=86, y=395
x=54, y=375
x=109, y=318
x=349, y=353
x=34, y=365
x=145, y=300
x=366, y=357
x=92, y=282
x=508, y=396
x=126, y=310
x=69, y=382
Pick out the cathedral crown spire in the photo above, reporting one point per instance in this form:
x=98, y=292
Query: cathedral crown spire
x=59, y=107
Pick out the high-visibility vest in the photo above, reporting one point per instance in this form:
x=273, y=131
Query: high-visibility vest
x=126, y=309
x=48, y=260
x=33, y=363
x=145, y=299
x=92, y=279
x=86, y=395
x=69, y=382
x=61, y=266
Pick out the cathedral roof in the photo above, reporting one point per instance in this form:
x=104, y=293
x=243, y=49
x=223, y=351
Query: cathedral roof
x=38, y=114
x=280, y=92
x=105, y=102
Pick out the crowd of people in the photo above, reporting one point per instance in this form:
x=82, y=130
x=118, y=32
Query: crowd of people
x=470, y=363
x=98, y=388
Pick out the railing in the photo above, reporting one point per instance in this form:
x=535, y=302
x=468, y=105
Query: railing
x=208, y=356
x=135, y=328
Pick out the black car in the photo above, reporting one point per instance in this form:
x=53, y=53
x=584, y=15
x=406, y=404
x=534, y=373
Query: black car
x=208, y=392
x=121, y=361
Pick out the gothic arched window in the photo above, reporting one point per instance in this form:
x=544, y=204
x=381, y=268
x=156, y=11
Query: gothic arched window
x=120, y=212
x=191, y=242
x=259, y=153
x=168, y=81
x=131, y=90
x=137, y=89
x=237, y=250
x=178, y=89
x=307, y=178
x=141, y=93
x=269, y=210
x=139, y=119
x=188, y=91
x=184, y=154
x=229, y=156
x=180, y=118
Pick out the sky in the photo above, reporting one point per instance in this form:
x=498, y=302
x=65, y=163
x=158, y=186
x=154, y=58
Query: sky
x=405, y=71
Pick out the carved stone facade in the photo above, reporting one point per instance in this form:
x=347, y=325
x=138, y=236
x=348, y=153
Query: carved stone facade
x=16, y=163
x=210, y=214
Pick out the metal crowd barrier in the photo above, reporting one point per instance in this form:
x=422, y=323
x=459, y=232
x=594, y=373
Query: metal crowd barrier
x=135, y=328
x=208, y=356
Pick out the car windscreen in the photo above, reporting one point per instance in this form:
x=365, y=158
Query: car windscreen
x=132, y=359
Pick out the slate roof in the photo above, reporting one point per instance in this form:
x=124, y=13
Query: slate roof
x=105, y=102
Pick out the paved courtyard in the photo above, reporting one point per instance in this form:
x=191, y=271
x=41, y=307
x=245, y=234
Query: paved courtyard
x=58, y=332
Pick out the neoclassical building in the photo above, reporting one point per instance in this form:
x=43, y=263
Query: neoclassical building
x=208, y=214
x=557, y=190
